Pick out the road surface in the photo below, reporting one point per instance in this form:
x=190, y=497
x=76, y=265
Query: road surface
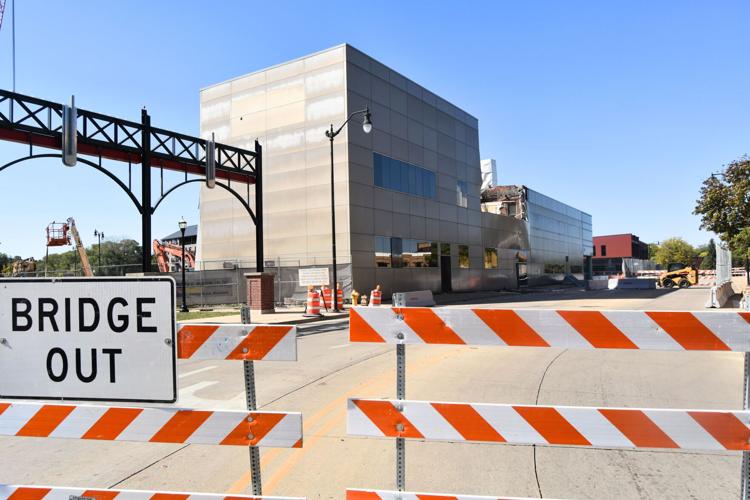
x=330, y=370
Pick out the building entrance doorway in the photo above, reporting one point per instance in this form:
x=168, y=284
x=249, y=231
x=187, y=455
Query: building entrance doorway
x=522, y=275
x=445, y=273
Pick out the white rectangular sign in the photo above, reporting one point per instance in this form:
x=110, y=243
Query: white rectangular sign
x=314, y=276
x=89, y=339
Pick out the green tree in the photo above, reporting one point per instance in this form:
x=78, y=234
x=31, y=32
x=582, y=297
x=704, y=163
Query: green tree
x=724, y=205
x=709, y=259
x=675, y=250
x=117, y=258
x=652, y=249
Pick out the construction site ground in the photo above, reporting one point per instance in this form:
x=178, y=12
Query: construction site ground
x=330, y=369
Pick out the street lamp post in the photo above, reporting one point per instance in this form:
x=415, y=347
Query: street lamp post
x=183, y=226
x=100, y=236
x=367, y=128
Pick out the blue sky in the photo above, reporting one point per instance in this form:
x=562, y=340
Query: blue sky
x=618, y=108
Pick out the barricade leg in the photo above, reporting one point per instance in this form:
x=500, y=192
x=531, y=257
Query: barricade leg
x=252, y=404
x=745, y=484
x=401, y=395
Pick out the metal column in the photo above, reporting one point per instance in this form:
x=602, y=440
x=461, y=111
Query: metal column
x=400, y=395
x=145, y=192
x=259, y=207
x=252, y=405
x=745, y=487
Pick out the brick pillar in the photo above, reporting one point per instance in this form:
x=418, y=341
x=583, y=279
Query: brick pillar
x=260, y=292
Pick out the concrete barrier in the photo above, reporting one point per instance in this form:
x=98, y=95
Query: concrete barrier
x=631, y=284
x=596, y=284
x=720, y=294
x=421, y=298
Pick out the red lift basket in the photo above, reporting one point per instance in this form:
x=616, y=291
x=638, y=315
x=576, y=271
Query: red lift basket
x=57, y=234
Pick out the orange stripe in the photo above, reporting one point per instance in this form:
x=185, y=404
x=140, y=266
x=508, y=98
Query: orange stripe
x=260, y=426
x=510, y=327
x=688, y=331
x=638, y=428
x=361, y=495
x=100, y=494
x=745, y=316
x=597, y=329
x=45, y=420
x=428, y=325
x=191, y=337
x=112, y=423
x=551, y=425
x=360, y=330
x=726, y=428
x=470, y=424
x=28, y=493
x=181, y=426
x=385, y=416
x=259, y=342
x=3, y=407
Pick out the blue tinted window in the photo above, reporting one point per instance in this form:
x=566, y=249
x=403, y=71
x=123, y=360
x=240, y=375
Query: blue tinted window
x=378, y=167
x=404, y=177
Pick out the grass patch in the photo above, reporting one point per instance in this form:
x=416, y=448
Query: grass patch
x=181, y=316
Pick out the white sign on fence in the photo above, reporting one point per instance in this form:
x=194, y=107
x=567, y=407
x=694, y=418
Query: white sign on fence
x=315, y=276
x=95, y=339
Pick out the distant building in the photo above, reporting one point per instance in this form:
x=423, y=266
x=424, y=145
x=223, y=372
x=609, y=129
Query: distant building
x=191, y=238
x=191, y=244
x=559, y=235
x=610, y=250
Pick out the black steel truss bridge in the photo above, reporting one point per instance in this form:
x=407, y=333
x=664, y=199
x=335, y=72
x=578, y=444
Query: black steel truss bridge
x=38, y=123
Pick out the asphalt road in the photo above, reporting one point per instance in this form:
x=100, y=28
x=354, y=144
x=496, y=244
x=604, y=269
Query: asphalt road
x=330, y=370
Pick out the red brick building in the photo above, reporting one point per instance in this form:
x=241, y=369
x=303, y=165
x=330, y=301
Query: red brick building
x=609, y=251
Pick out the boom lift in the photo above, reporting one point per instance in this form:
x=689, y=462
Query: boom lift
x=57, y=235
x=161, y=250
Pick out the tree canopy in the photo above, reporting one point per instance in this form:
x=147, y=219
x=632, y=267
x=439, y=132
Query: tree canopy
x=724, y=205
x=674, y=250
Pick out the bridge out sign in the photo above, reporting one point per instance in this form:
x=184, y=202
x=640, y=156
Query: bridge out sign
x=95, y=339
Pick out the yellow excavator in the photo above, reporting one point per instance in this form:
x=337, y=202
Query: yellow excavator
x=680, y=275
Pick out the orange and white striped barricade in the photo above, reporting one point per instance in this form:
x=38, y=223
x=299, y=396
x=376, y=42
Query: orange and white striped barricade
x=20, y=492
x=357, y=494
x=327, y=297
x=313, y=304
x=152, y=425
x=376, y=297
x=551, y=425
x=402, y=419
x=237, y=342
x=339, y=297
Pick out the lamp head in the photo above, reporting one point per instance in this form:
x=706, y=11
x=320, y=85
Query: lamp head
x=182, y=224
x=367, y=122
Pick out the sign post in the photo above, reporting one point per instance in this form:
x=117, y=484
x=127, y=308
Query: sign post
x=90, y=339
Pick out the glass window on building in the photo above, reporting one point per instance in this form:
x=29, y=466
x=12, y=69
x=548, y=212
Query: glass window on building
x=445, y=249
x=463, y=256
x=462, y=193
x=512, y=208
x=490, y=258
x=404, y=177
x=396, y=251
x=419, y=253
x=604, y=250
x=382, y=251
